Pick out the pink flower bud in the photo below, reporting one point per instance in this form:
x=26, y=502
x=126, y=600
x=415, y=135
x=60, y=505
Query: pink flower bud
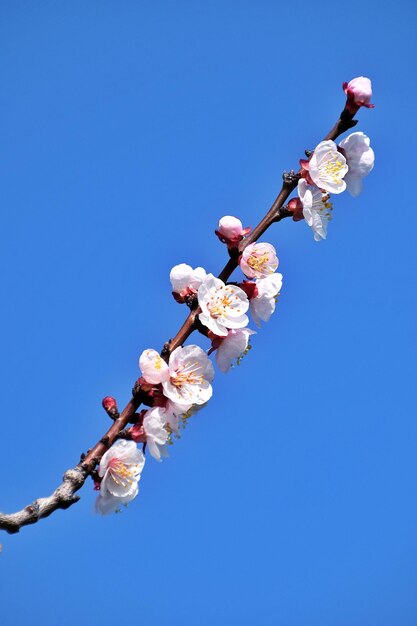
x=296, y=207
x=359, y=94
x=110, y=406
x=230, y=227
x=231, y=231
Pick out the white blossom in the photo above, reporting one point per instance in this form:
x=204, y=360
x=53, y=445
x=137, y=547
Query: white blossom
x=258, y=260
x=223, y=306
x=360, y=159
x=153, y=367
x=327, y=167
x=316, y=208
x=185, y=280
x=156, y=433
x=233, y=347
x=263, y=304
x=190, y=375
x=120, y=468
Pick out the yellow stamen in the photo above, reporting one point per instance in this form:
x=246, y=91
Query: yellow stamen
x=217, y=307
x=258, y=262
x=187, y=376
x=331, y=168
x=119, y=470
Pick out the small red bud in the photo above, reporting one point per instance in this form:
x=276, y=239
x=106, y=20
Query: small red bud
x=110, y=406
x=296, y=207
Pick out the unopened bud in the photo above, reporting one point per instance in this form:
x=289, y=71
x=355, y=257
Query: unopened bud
x=359, y=94
x=296, y=207
x=185, y=281
x=231, y=231
x=110, y=406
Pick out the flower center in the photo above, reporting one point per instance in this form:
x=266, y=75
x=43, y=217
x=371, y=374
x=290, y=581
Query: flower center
x=331, y=167
x=186, y=375
x=119, y=470
x=217, y=307
x=258, y=263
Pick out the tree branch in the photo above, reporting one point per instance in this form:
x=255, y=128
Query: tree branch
x=64, y=495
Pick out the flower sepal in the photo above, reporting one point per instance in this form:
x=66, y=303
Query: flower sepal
x=250, y=288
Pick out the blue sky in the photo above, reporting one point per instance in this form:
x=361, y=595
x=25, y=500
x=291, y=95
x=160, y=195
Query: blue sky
x=127, y=130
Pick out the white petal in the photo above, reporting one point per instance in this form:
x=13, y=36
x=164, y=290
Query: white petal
x=230, y=227
x=198, y=276
x=153, y=367
x=174, y=412
x=353, y=184
x=232, y=347
x=262, y=309
x=269, y=286
x=322, y=149
x=237, y=322
x=180, y=277
x=153, y=449
x=213, y=324
x=106, y=503
x=360, y=158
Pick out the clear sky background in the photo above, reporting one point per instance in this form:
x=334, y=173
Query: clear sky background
x=128, y=128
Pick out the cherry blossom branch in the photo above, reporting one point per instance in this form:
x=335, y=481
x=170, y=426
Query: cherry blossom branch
x=64, y=495
x=276, y=213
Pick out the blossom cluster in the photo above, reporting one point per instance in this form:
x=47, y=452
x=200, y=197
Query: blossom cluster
x=333, y=168
x=178, y=386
